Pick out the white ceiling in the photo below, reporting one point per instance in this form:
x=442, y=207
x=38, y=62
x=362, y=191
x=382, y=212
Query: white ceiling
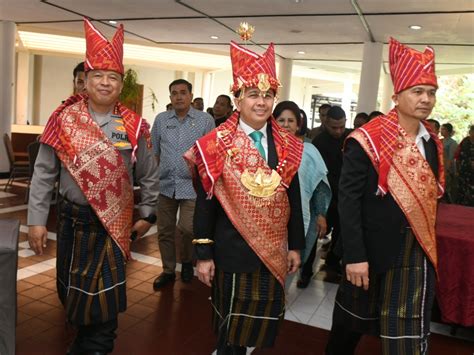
x=331, y=32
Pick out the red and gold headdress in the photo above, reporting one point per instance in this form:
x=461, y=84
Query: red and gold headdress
x=102, y=54
x=250, y=69
x=409, y=67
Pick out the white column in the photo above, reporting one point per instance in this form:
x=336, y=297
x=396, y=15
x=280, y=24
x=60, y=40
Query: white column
x=207, y=88
x=7, y=85
x=387, y=91
x=284, y=75
x=369, y=77
x=308, y=95
x=346, y=101
x=197, y=86
x=179, y=74
x=24, y=88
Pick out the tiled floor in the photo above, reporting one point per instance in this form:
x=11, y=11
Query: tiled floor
x=176, y=320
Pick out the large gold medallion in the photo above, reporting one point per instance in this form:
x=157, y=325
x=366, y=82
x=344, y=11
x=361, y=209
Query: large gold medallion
x=260, y=184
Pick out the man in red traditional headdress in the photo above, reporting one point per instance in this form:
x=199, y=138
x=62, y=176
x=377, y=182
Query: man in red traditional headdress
x=92, y=142
x=391, y=177
x=248, y=222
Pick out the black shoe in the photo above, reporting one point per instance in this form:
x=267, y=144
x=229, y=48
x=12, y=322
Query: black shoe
x=163, y=280
x=303, y=282
x=187, y=272
x=232, y=350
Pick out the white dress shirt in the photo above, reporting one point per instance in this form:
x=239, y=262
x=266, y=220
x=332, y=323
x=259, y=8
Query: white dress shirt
x=422, y=134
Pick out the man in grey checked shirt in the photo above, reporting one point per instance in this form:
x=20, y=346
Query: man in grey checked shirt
x=173, y=133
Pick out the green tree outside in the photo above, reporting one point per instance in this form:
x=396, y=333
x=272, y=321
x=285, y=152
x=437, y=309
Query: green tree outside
x=455, y=103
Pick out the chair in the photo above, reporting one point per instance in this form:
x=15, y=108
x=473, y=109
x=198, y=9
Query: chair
x=17, y=167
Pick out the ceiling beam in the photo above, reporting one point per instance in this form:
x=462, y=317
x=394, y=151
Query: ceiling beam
x=152, y=18
x=362, y=19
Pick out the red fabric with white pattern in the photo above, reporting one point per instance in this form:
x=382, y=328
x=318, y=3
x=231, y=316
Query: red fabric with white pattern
x=247, y=65
x=383, y=134
x=135, y=127
x=100, y=53
x=409, y=67
x=96, y=166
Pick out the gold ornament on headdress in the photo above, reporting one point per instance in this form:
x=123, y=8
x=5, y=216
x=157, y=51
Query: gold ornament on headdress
x=245, y=31
x=263, y=83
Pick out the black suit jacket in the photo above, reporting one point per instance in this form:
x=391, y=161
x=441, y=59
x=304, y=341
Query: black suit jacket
x=230, y=251
x=331, y=151
x=372, y=227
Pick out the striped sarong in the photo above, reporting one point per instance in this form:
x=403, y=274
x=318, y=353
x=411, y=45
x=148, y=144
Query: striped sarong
x=90, y=267
x=248, y=307
x=397, y=306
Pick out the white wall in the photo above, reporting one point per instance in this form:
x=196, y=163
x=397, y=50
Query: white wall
x=158, y=80
x=56, y=85
x=298, y=91
x=221, y=83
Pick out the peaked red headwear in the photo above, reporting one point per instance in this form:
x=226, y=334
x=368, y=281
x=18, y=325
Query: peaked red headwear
x=409, y=67
x=100, y=53
x=252, y=69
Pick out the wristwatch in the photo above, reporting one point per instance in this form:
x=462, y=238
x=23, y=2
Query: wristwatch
x=150, y=219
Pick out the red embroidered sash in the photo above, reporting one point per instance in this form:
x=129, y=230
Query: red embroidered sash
x=410, y=181
x=221, y=157
x=96, y=165
x=262, y=222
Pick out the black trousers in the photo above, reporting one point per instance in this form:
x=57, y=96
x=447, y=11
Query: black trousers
x=397, y=306
x=95, y=338
x=342, y=341
x=335, y=250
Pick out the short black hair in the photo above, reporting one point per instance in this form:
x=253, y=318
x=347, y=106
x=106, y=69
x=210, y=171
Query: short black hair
x=79, y=68
x=336, y=113
x=362, y=115
x=288, y=105
x=304, y=124
x=323, y=106
x=374, y=114
x=181, y=81
x=435, y=122
x=449, y=127
x=228, y=99
x=198, y=98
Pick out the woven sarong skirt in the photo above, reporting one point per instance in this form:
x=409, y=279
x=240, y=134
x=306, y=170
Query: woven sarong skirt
x=248, y=307
x=397, y=306
x=90, y=267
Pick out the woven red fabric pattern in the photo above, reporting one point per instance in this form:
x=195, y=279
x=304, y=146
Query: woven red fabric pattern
x=100, y=53
x=409, y=67
x=247, y=65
